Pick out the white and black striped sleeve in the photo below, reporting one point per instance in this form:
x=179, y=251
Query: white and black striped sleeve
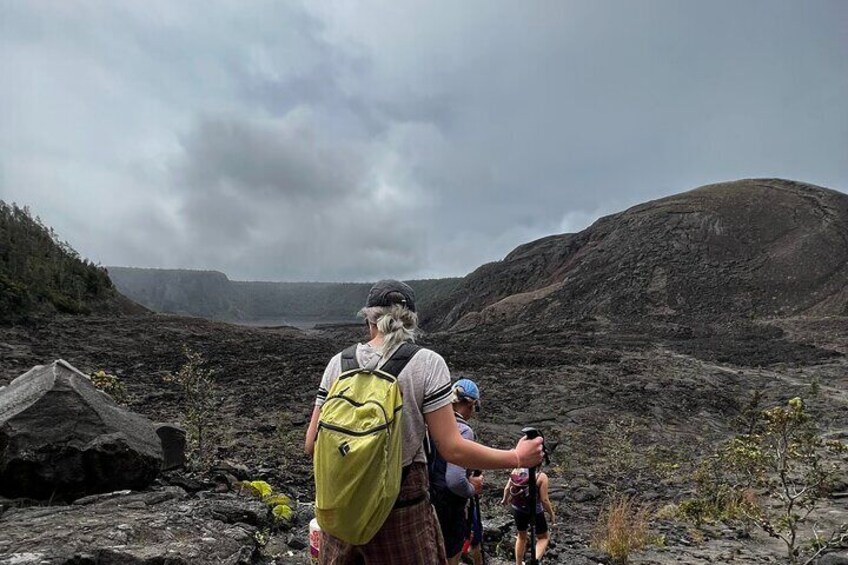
x=331, y=373
x=321, y=396
x=436, y=397
x=437, y=390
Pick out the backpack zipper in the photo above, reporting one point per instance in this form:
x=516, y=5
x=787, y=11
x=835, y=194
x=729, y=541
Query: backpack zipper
x=360, y=404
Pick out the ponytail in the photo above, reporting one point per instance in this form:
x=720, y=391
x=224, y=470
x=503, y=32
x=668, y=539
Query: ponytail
x=397, y=324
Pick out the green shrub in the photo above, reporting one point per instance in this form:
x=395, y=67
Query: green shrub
x=279, y=504
x=111, y=385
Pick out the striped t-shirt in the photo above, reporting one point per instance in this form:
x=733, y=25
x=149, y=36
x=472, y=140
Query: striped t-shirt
x=425, y=383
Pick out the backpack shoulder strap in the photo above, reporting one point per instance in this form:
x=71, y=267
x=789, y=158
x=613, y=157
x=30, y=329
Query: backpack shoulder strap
x=400, y=358
x=349, y=361
x=429, y=448
x=436, y=465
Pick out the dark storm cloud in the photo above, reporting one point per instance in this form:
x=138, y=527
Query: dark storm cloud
x=277, y=195
x=252, y=159
x=342, y=141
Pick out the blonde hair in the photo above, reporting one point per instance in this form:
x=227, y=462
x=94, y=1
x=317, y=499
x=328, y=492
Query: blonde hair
x=396, y=323
x=457, y=397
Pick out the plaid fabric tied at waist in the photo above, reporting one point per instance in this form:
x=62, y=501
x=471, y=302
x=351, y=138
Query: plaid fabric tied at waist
x=411, y=534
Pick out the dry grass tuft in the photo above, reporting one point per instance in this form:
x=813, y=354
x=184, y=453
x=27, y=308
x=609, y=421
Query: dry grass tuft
x=622, y=529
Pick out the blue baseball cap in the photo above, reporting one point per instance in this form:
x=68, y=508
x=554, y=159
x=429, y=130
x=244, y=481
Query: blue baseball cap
x=466, y=388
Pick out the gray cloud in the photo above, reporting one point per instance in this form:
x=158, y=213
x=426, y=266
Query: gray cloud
x=251, y=159
x=279, y=196
x=332, y=141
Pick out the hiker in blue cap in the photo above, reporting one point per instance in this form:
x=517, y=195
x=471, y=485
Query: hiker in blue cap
x=452, y=486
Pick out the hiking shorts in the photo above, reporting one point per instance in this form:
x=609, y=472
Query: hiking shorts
x=453, y=521
x=410, y=534
x=522, y=521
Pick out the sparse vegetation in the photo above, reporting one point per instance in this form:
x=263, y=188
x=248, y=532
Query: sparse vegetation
x=622, y=529
x=198, y=388
x=111, y=385
x=278, y=503
x=773, y=478
x=718, y=500
x=621, y=457
x=625, y=463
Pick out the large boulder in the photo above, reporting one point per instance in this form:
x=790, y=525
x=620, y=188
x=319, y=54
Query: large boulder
x=61, y=437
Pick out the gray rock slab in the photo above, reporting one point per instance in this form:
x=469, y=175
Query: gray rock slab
x=60, y=437
x=160, y=526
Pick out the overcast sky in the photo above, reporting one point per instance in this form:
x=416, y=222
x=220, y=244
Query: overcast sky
x=343, y=140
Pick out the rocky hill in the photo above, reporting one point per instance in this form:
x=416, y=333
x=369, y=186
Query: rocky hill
x=211, y=294
x=41, y=274
x=742, y=250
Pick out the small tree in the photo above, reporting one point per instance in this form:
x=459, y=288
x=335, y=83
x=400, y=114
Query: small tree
x=786, y=462
x=198, y=388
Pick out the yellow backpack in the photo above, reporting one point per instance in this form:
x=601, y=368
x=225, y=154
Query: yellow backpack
x=359, y=448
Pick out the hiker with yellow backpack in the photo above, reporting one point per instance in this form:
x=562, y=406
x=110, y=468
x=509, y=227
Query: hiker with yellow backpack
x=366, y=436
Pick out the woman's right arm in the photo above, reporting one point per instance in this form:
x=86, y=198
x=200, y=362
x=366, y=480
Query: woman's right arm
x=543, y=495
x=471, y=455
x=506, y=490
x=312, y=431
